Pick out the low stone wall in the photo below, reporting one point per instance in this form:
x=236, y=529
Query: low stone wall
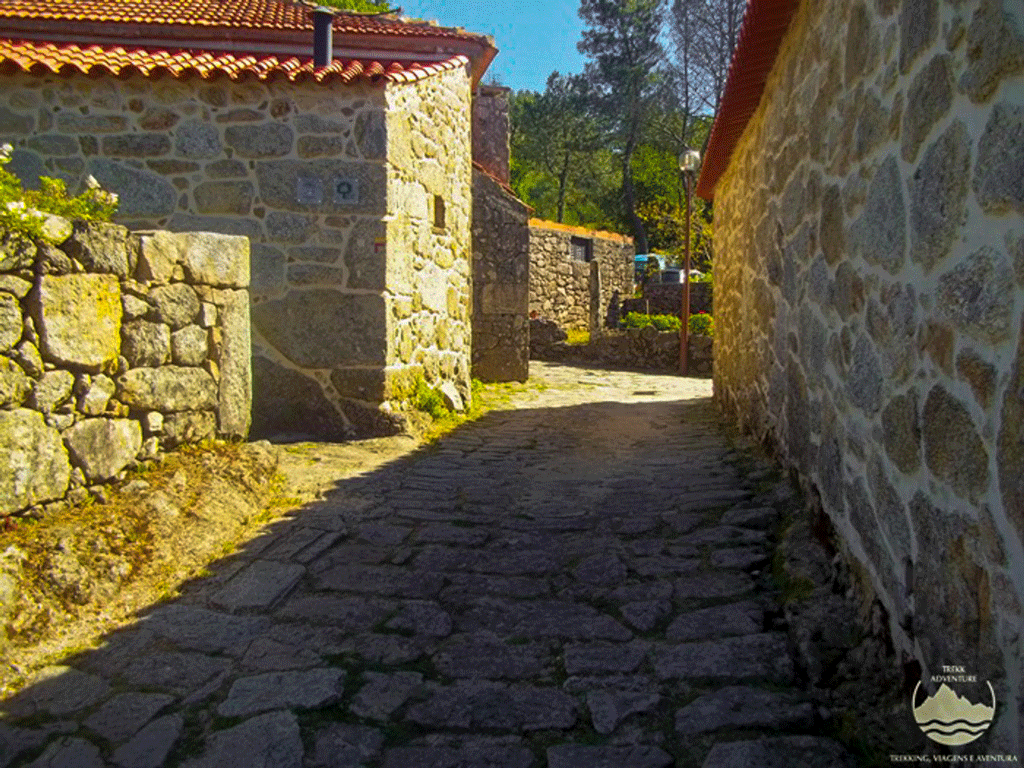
x=870, y=313
x=644, y=349
x=574, y=293
x=113, y=345
x=667, y=299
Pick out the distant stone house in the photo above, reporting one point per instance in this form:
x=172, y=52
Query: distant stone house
x=578, y=276
x=869, y=302
x=353, y=180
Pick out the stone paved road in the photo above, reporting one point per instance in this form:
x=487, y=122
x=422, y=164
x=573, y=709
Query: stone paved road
x=576, y=582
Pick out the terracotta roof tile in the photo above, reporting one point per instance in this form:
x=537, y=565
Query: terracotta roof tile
x=43, y=58
x=581, y=231
x=244, y=14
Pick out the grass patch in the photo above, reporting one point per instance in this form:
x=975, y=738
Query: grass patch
x=577, y=337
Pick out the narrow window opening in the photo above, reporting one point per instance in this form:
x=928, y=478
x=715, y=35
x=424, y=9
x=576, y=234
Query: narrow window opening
x=438, y=212
x=581, y=249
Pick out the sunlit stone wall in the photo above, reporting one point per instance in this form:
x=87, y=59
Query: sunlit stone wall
x=869, y=288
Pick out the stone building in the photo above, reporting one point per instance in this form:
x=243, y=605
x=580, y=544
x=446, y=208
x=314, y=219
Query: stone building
x=869, y=297
x=353, y=180
x=578, y=276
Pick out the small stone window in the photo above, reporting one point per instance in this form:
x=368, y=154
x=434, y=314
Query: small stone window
x=581, y=249
x=438, y=212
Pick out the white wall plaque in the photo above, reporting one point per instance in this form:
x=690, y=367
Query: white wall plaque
x=309, y=190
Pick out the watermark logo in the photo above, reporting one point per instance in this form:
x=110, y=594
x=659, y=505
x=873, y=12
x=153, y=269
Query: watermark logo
x=951, y=716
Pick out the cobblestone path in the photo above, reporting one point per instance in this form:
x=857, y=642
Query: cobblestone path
x=582, y=581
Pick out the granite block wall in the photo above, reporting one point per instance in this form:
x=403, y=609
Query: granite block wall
x=501, y=282
x=114, y=345
x=869, y=306
x=306, y=172
x=574, y=293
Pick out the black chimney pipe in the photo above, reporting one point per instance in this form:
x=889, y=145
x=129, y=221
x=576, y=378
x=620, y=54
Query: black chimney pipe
x=323, y=36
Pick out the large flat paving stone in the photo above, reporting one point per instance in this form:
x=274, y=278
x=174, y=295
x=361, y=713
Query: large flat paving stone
x=268, y=740
x=305, y=689
x=763, y=656
x=346, y=746
x=69, y=753
x=780, y=752
x=383, y=693
x=608, y=708
x=736, y=707
x=578, y=756
x=483, y=704
x=259, y=585
x=712, y=586
x=483, y=655
x=149, y=747
x=744, y=618
x=544, y=618
x=123, y=715
x=179, y=673
x=56, y=690
x=383, y=580
x=198, y=629
x=474, y=754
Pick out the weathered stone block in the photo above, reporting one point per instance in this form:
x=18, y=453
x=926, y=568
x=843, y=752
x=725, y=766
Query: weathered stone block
x=858, y=37
x=938, y=193
x=189, y=427
x=14, y=384
x=277, y=182
x=371, y=134
x=103, y=447
x=145, y=344
x=102, y=247
x=226, y=169
x=995, y=50
x=141, y=193
x=213, y=259
x=880, y=233
x=176, y=305
x=136, y=145
x=288, y=402
x=52, y=390
x=16, y=252
x=168, y=389
x=290, y=227
x=78, y=318
x=94, y=400
x=902, y=432
x=953, y=450
x=33, y=462
x=322, y=146
x=268, y=265
x=260, y=141
x=234, y=405
x=198, y=140
x=977, y=296
x=1010, y=445
x=364, y=257
x=337, y=330
x=224, y=196
x=928, y=99
x=188, y=345
x=10, y=321
x=999, y=172
x=919, y=25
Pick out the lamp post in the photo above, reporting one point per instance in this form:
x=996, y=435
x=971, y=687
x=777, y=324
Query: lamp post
x=689, y=164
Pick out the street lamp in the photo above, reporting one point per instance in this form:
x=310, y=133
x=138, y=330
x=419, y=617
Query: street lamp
x=689, y=164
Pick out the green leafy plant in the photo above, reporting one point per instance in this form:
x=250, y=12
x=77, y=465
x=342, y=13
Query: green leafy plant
x=660, y=322
x=23, y=212
x=577, y=336
x=701, y=324
x=429, y=400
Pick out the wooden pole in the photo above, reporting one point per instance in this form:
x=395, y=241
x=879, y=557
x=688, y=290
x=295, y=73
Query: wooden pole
x=684, y=332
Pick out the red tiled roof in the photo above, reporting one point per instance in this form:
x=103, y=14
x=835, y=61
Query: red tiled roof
x=239, y=14
x=43, y=58
x=581, y=231
x=764, y=25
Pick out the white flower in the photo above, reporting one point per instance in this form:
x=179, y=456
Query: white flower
x=5, y=152
x=15, y=205
x=91, y=183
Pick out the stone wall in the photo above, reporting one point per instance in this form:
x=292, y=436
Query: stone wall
x=491, y=131
x=303, y=171
x=869, y=294
x=501, y=282
x=667, y=299
x=573, y=293
x=113, y=345
x=641, y=349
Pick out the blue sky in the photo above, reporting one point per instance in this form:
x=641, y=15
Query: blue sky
x=534, y=37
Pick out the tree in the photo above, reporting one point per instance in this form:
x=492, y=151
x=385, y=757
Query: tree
x=556, y=132
x=360, y=6
x=705, y=34
x=626, y=75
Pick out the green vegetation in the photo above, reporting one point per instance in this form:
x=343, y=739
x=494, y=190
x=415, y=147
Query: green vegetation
x=577, y=337
x=360, y=6
x=701, y=324
x=22, y=212
x=661, y=322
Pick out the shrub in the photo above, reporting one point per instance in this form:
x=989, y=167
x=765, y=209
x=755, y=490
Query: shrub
x=22, y=212
x=701, y=324
x=661, y=322
x=429, y=400
x=577, y=336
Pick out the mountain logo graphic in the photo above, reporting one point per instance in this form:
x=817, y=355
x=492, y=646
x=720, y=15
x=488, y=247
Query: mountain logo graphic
x=949, y=718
